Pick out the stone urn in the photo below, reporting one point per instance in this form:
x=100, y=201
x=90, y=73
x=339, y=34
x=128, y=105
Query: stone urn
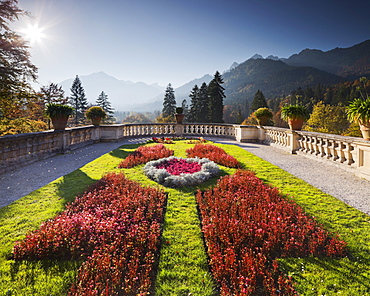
x=179, y=115
x=296, y=123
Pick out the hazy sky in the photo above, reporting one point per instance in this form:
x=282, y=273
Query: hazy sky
x=177, y=41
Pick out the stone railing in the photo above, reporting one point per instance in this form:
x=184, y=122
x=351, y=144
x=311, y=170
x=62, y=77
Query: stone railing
x=23, y=149
x=165, y=129
x=349, y=153
x=346, y=152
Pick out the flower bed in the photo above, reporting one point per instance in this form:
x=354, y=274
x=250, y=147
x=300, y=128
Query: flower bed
x=156, y=171
x=143, y=154
x=115, y=226
x=247, y=225
x=213, y=153
x=178, y=166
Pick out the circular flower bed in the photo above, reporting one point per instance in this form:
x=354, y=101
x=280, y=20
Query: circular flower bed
x=179, y=172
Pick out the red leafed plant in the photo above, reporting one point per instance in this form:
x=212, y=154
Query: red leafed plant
x=115, y=226
x=213, y=153
x=143, y=154
x=247, y=225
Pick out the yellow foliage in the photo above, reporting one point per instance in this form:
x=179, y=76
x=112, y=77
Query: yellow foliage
x=327, y=119
x=21, y=126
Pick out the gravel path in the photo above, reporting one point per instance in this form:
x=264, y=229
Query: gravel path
x=24, y=180
x=332, y=180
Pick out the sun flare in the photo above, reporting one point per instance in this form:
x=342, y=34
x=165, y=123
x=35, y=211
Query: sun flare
x=33, y=33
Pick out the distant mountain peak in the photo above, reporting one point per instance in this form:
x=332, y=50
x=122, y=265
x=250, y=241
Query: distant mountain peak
x=256, y=56
x=234, y=65
x=272, y=57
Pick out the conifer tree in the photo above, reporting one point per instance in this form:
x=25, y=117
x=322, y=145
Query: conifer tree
x=16, y=67
x=169, y=102
x=185, y=107
x=203, y=104
x=193, y=113
x=216, y=96
x=259, y=101
x=78, y=100
x=102, y=101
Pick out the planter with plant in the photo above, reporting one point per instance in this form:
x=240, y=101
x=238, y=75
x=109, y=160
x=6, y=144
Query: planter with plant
x=359, y=111
x=58, y=114
x=262, y=115
x=95, y=114
x=295, y=115
x=179, y=115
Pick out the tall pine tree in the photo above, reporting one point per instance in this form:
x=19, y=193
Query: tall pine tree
x=204, y=104
x=169, y=102
x=78, y=100
x=216, y=97
x=194, y=105
x=259, y=101
x=102, y=101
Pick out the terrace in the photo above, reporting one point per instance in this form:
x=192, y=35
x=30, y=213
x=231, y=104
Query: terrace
x=348, y=153
x=54, y=154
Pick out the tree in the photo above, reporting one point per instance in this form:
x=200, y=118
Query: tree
x=259, y=101
x=203, y=116
x=185, y=107
x=15, y=64
x=216, y=96
x=193, y=113
x=328, y=119
x=52, y=93
x=16, y=68
x=78, y=100
x=169, y=103
x=102, y=101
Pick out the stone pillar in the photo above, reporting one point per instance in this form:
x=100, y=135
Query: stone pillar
x=179, y=130
x=293, y=141
x=246, y=133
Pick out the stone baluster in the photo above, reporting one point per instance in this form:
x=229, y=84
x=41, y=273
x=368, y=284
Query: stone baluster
x=348, y=153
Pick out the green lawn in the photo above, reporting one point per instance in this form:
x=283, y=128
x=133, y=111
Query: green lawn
x=183, y=265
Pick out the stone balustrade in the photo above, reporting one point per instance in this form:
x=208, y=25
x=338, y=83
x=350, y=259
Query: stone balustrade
x=350, y=153
x=23, y=149
x=347, y=152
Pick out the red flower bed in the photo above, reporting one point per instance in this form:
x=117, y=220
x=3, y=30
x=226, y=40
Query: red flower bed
x=179, y=166
x=247, y=225
x=143, y=154
x=115, y=226
x=213, y=153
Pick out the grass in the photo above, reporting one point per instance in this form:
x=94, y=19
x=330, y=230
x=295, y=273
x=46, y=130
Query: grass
x=183, y=265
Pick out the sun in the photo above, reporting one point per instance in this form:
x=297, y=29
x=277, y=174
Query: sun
x=33, y=33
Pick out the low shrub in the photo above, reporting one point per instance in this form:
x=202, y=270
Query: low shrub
x=115, y=226
x=247, y=226
x=144, y=154
x=213, y=153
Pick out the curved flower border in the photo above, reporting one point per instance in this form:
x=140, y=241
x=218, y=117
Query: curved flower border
x=209, y=170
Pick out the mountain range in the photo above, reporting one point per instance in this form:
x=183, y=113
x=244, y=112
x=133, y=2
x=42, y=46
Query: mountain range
x=279, y=77
x=274, y=76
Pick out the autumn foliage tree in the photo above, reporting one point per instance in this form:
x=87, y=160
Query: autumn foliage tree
x=328, y=119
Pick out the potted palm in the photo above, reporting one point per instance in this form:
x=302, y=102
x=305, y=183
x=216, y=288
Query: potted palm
x=262, y=115
x=58, y=114
x=96, y=114
x=295, y=115
x=359, y=111
x=179, y=115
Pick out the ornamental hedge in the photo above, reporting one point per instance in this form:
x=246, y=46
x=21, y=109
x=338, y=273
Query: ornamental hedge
x=115, y=227
x=247, y=226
